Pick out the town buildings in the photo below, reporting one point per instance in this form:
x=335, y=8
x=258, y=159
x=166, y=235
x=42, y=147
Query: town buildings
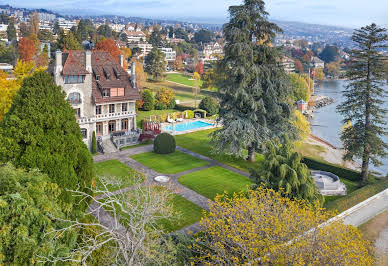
x=99, y=90
x=169, y=53
x=210, y=50
x=288, y=64
x=144, y=47
x=317, y=63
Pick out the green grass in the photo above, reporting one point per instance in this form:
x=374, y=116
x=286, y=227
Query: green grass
x=310, y=150
x=199, y=143
x=145, y=114
x=214, y=180
x=144, y=143
x=116, y=170
x=182, y=79
x=172, y=163
x=187, y=213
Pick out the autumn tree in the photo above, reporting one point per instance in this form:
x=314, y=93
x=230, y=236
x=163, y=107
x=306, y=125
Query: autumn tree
x=302, y=125
x=34, y=23
x=178, y=64
x=109, y=46
x=26, y=49
x=8, y=90
x=365, y=99
x=197, y=86
x=260, y=227
x=318, y=74
x=141, y=76
x=127, y=53
x=209, y=79
x=332, y=69
x=299, y=87
x=40, y=131
x=199, y=67
x=42, y=59
x=253, y=90
x=165, y=98
x=299, y=66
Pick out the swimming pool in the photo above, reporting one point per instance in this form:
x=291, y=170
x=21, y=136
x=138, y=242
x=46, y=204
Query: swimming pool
x=187, y=126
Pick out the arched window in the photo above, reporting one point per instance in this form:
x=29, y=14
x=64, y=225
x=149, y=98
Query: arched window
x=74, y=98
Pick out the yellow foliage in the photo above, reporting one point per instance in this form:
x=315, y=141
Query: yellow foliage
x=259, y=227
x=23, y=69
x=8, y=89
x=302, y=125
x=164, y=95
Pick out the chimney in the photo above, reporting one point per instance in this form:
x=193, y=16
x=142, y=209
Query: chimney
x=121, y=60
x=133, y=75
x=58, y=65
x=88, y=60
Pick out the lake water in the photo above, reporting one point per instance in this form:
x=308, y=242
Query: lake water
x=327, y=123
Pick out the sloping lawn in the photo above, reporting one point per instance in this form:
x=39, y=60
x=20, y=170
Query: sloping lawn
x=199, y=142
x=214, y=180
x=182, y=79
x=172, y=163
x=121, y=174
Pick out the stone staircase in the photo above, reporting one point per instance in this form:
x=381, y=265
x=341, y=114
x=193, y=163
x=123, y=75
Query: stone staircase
x=109, y=147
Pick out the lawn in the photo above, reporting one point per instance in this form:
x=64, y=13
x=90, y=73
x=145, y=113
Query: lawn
x=182, y=79
x=310, y=150
x=214, y=180
x=199, y=143
x=144, y=143
x=144, y=114
x=120, y=175
x=172, y=163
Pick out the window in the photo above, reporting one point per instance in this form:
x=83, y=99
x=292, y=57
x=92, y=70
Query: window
x=106, y=93
x=99, y=129
x=124, y=124
x=98, y=109
x=113, y=92
x=112, y=126
x=77, y=112
x=111, y=108
x=124, y=107
x=74, y=98
x=120, y=92
x=84, y=133
x=74, y=79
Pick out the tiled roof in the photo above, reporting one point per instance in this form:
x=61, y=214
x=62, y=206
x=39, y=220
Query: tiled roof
x=135, y=33
x=74, y=63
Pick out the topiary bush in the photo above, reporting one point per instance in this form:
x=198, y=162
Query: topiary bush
x=148, y=100
x=164, y=143
x=94, y=143
x=209, y=105
x=189, y=114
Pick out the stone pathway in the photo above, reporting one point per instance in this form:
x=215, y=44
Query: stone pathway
x=124, y=157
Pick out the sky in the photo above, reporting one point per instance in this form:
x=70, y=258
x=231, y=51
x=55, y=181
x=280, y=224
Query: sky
x=347, y=13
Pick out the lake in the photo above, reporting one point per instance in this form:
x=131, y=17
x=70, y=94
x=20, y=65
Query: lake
x=327, y=124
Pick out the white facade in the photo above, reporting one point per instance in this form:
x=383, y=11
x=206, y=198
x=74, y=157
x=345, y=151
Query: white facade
x=169, y=53
x=145, y=47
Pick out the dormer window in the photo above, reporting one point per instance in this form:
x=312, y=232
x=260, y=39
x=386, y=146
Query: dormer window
x=106, y=93
x=97, y=77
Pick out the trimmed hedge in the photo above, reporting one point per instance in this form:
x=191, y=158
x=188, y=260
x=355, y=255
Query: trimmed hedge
x=164, y=143
x=332, y=168
x=182, y=108
x=357, y=196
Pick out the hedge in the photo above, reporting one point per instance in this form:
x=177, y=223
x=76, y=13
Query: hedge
x=357, y=196
x=342, y=172
x=182, y=108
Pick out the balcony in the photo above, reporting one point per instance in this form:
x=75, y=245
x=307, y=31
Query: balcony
x=75, y=101
x=115, y=115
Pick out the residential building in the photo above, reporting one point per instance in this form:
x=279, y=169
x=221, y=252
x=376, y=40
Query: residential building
x=209, y=51
x=317, y=63
x=100, y=91
x=66, y=24
x=135, y=36
x=288, y=64
x=7, y=68
x=169, y=53
x=145, y=47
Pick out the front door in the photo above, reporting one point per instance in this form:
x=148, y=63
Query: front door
x=112, y=126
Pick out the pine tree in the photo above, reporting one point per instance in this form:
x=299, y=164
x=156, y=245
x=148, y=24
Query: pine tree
x=253, y=89
x=365, y=98
x=155, y=64
x=40, y=132
x=11, y=31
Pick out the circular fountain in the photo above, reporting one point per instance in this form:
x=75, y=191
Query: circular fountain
x=329, y=184
x=162, y=179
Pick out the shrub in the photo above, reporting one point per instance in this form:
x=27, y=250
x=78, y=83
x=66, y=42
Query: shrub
x=148, y=99
x=164, y=96
x=189, y=114
x=164, y=143
x=160, y=106
x=209, y=105
x=332, y=168
x=94, y=143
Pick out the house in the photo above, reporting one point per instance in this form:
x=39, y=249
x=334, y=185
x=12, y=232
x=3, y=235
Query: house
x=134, y=36
x=317, y=63
x=209, y=51
x=145, y=47
x=169, y=53
x=99, y=90
x=288, y=64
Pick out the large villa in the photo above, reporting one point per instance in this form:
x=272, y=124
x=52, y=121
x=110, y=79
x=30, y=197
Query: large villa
x=102, y=94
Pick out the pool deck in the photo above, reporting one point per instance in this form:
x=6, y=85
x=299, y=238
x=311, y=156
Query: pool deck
x=190, y=130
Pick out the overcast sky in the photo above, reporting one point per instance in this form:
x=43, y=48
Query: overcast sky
x=349, y=13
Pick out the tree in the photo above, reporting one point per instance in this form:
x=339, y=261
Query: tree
x=302, y=125
x=42, y=59
x=253, y=90
x=105, y=31
x=203, y=36
x=332, y=69
x=40, y=131
x=155, y=64
x=45, y=36
x=8, y=90
x=141, y=76
x=329, y=54
x=94, y=143
x=8, y=54
x=127, y=53
x=138, y=239
x=299, y=87
x=178, y=64
x=34, y=23
x=68, y=41
x=209, y=79
x=299, y=66
x=57, y=28
x=199, y=68
x=156, y=37
x=197, y=86
x=26, y=49
x=260, y=227
x=364, y=105
x=109, y=46
x=164, y=96
x=29, y=200
x=23, y=29
x=318, y=74
x=209, y=105
x=11, y=31
x=282, y=170
x=148, y=99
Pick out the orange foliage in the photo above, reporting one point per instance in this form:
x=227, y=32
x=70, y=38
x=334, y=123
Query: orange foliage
x=26, y=49
x=109, y=46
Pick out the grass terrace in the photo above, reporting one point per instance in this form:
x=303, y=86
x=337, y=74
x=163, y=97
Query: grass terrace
x=182, y=79
x=117, y=171
x=214, y=180
x=144, y=114
x=172, y=163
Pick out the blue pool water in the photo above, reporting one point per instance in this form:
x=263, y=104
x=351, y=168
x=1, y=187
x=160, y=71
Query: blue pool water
x=187, y=126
